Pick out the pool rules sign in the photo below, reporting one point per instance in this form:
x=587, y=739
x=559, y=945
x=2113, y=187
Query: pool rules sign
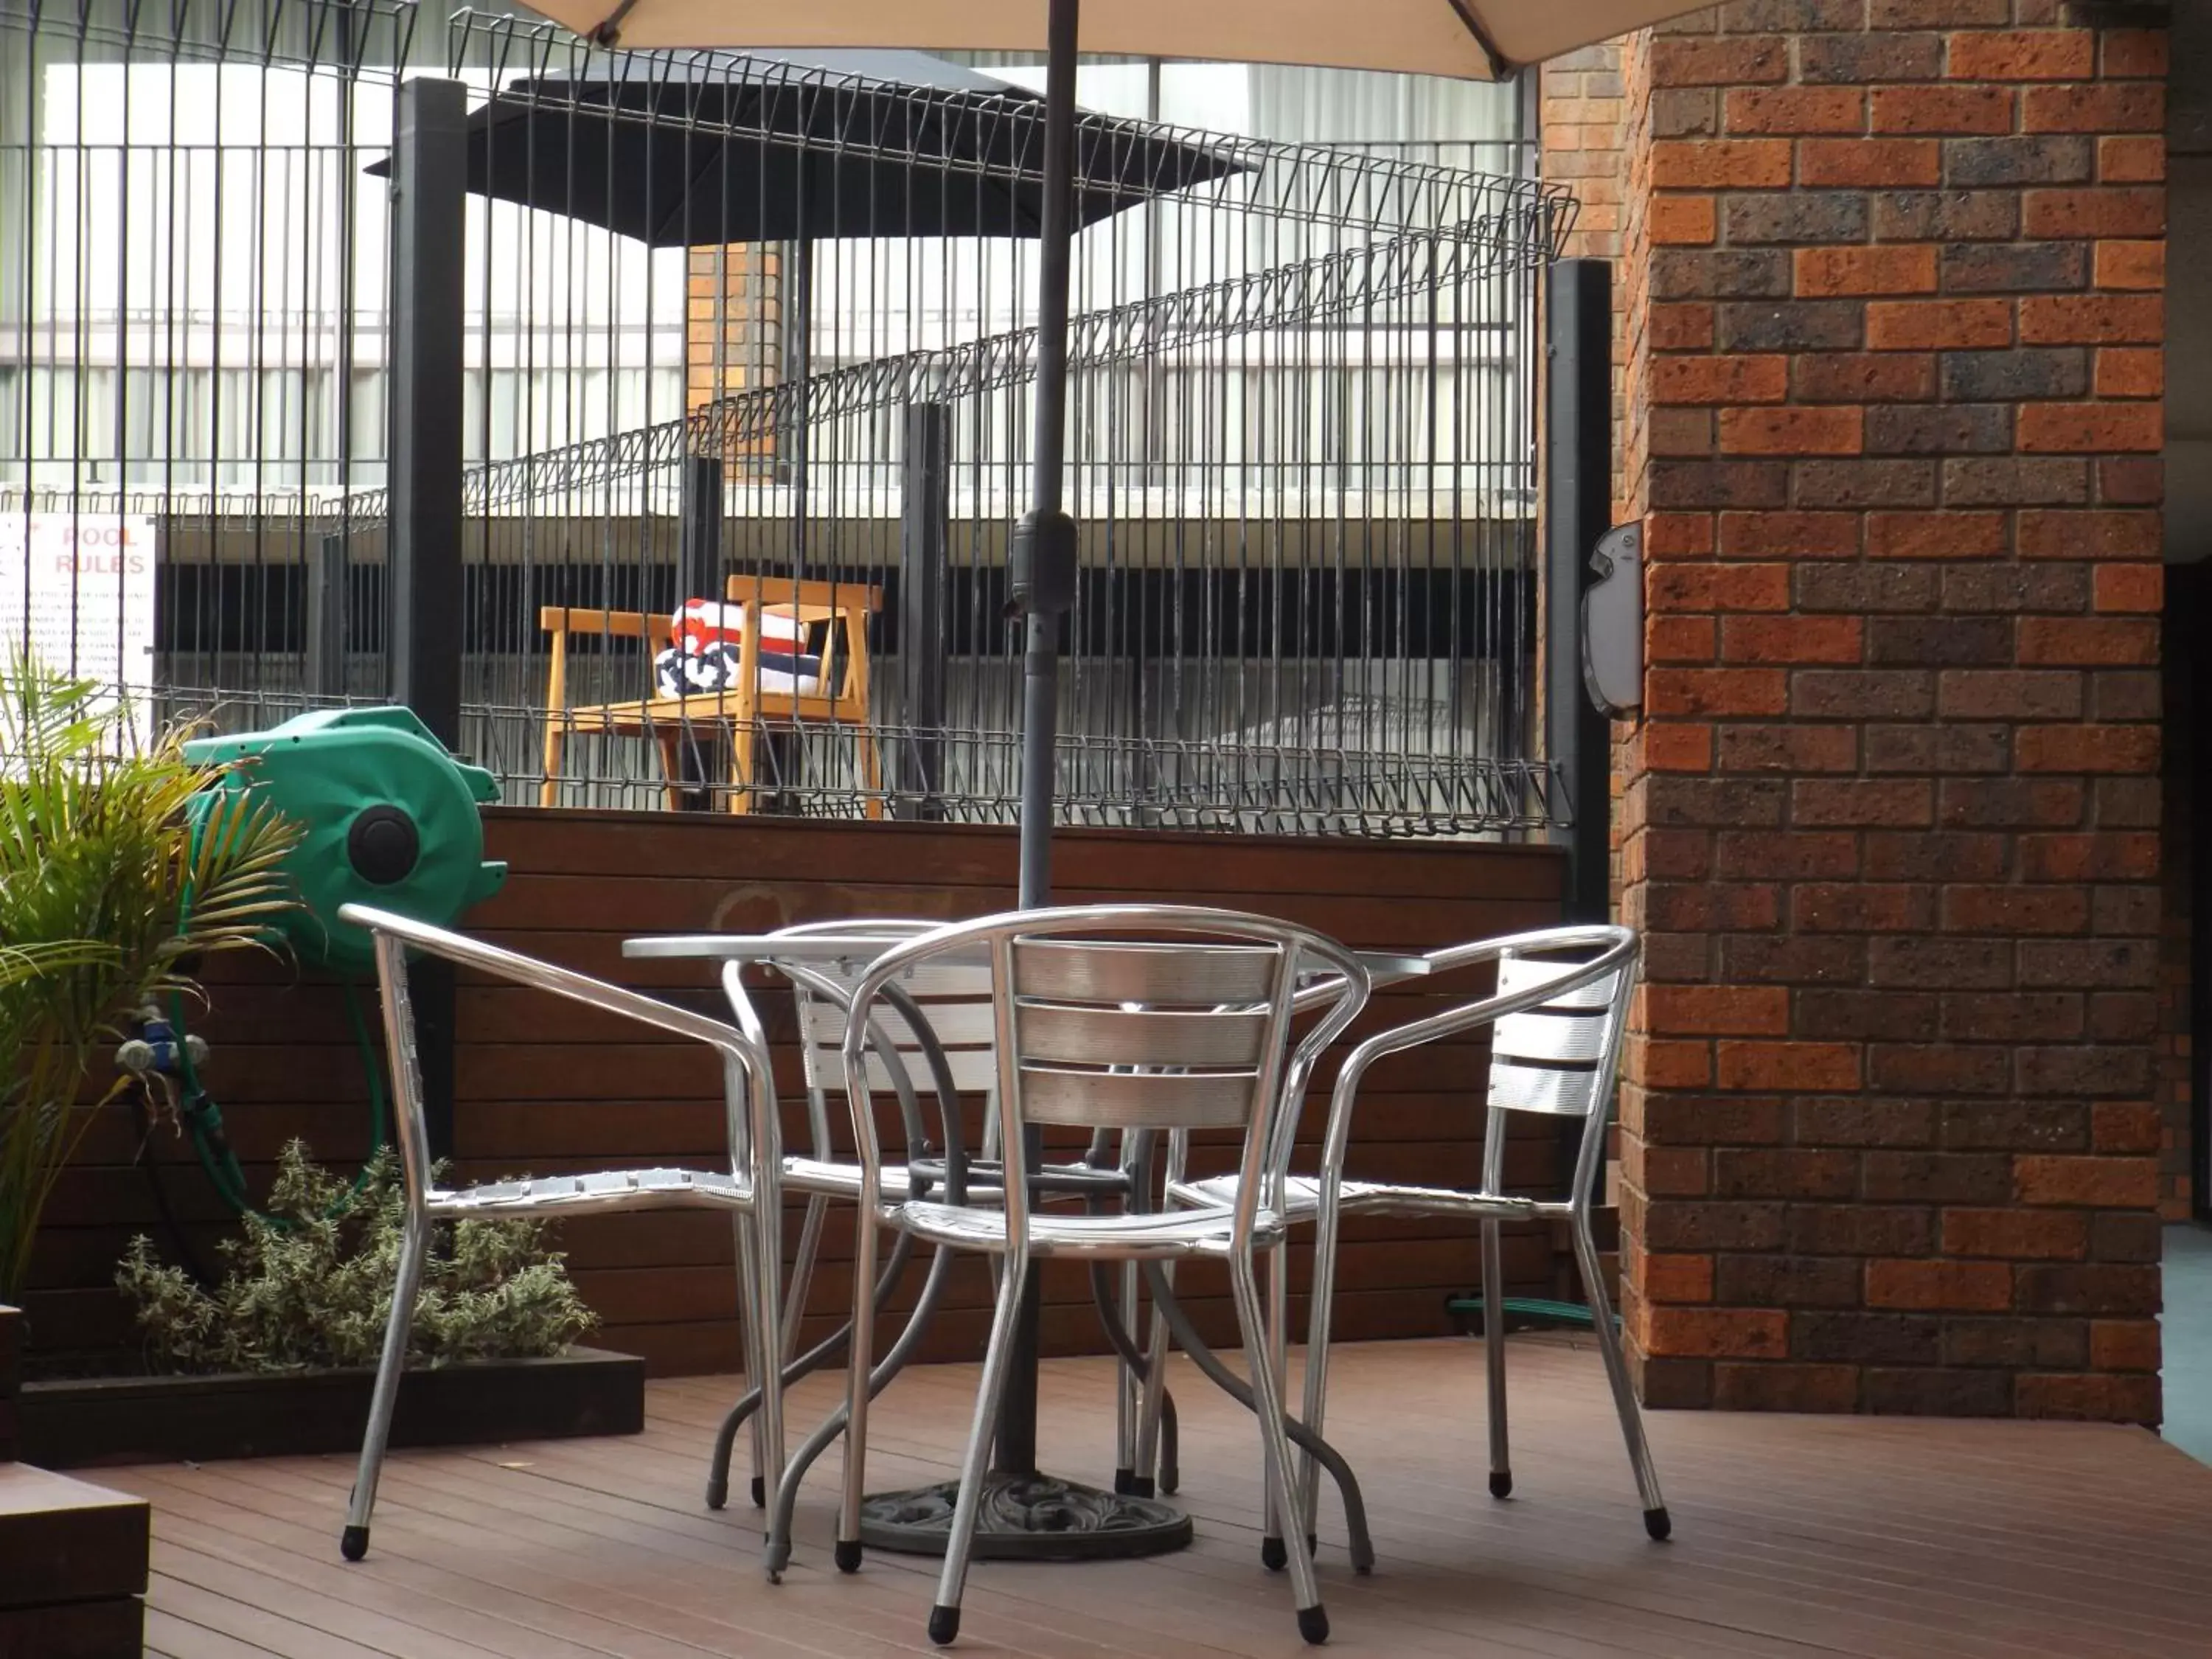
x=76, y=594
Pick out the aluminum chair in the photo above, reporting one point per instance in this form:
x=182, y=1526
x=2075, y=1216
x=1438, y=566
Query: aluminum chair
x=750, y=1189
x=952, y=1001
x=1128, y=1018
x=1555, y=1049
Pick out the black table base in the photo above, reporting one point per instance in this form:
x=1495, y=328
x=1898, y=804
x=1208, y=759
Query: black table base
x=1026, y=1517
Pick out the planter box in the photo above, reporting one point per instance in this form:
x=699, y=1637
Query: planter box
x=168, y=1420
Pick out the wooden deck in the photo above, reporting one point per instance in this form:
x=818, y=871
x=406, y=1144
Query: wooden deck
x=1890, y=1539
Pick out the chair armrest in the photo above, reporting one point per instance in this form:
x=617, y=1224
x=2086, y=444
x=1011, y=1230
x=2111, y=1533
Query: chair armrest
x=747, y=1047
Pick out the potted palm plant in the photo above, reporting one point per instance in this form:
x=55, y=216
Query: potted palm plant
x=119, y=871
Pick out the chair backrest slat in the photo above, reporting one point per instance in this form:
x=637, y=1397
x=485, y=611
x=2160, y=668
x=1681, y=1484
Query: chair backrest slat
x=1138, y=1100
x=1199, y=975
x=1546, y=1059
x=1077, y=1034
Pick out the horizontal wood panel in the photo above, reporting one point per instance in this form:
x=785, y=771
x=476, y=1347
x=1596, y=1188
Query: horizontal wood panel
x=546, y=1087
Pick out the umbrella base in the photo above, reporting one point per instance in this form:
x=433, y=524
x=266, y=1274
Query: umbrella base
x=1037, y=1517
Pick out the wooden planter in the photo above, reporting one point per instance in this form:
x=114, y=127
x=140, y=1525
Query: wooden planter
x=167, y=1419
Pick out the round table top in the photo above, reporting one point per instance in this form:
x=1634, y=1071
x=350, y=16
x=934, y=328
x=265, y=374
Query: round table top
x=1384, y=967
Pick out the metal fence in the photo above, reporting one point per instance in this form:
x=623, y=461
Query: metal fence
x=1302, y=443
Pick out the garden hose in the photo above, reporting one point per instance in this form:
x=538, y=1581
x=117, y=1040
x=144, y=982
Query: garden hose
x=202, y=1118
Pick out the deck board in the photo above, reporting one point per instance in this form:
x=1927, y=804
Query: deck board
x=1795, y=1538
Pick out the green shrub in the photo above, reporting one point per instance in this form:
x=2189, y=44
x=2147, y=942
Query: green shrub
x=311, y=1288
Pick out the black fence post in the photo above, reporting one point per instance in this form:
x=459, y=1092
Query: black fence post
x=1578, y=510
x=925, y=510
x=430, y=171
x=325, y=666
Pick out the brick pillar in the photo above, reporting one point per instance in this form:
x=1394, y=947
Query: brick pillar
x=1891, y=815
x=733, y=324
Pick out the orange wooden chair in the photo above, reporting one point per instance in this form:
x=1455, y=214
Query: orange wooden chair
x=837, y=694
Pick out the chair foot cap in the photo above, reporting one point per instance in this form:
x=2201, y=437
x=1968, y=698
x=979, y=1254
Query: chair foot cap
x=849, y=1555
x=775, y=1558
x=1501, y=1483
x=1313, y=1624
x=1313, y=1543
x=1171, y=1478
x=353, y=1543
x=1125, y=1483
x=760, y=1492
x=718, y=1493
x=944, y=1626
x=1656, y=1523
x=1273, y=1555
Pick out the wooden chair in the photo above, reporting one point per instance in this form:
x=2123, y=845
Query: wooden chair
x=743, y=708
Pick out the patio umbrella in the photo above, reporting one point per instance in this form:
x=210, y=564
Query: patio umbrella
x=1478, y=40
x=715, y=146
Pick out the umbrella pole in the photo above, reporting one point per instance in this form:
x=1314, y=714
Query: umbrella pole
x=1043, y=587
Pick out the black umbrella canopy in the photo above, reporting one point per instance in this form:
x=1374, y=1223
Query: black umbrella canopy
x=717, y=147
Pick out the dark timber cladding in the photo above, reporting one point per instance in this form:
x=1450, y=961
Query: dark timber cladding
x=543, y=1087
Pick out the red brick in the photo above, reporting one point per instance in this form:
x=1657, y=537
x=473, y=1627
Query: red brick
x=1943, y=109
x=2134, y=52
x=2023, y=55
x=1677, y=535
x=1717, y=1333
x=1894, y=268
x=2090, y=429
x=2107, y=855
x=2097, y=210
x=2137, y=482
x=1952, y=535
x=1717, y=61
x=1716, y=1010
x=1793, y=109
x=1676, y=1278
x=2130, y=159
x=2102, y=107
x=2078, y=1397
x=1679, y=221
x=1827, y=430
x=1685, y=327
x=2130, y=264
x=2017, y=1234
x=1791, y=1387
x=2123, y=1344
x=2092, y=320
x=2099, y=748
x=1939, y=325
x=1861, y=908
x=2007, y=910
x=1671, y=1064
x=1797, y=1067
x=1795, y=535
x=1718, y=692
x=2086, y=643
x=1730, y=380
x=1720, y=164
x=1884, y=803
x=1668, y=1171
x=1931, y=1287
x=2130, y=588
x=2108, y=535
x=1869, y=163
x=1788, y=749
x=1703, y=587
x=1671, y=747
x=2129, y=372
x=2116, y=1125
x=2111, y=1183
x=1791, y=638
x=1862, y=377
x=1676, y=639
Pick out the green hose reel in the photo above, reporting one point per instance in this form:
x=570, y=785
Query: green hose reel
x=389, y=818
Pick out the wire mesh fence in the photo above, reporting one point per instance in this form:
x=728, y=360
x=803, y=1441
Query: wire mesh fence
x=749, y=357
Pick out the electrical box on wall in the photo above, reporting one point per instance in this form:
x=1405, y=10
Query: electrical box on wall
x=1613, y=622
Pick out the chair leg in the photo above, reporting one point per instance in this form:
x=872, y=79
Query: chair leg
x=1493, y=1355
x=743, y=737
x=353, y=1543
x=1655, y=1519
x=945, y=1617
x=671, y=765
x=1274, y=1443
x=1318, y=1320
x=859, y=1359
x=871, y=773
x=549, y=790
x=1285, y=1518
x=802, y=1274
x=1155, y=1460
x=1129, y=1391
x=757, y=1346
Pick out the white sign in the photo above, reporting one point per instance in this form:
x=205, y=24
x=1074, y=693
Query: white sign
x=76, y=593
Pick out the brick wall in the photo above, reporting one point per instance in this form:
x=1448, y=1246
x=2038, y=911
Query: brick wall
x=1890, y=821
x=732, y=327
